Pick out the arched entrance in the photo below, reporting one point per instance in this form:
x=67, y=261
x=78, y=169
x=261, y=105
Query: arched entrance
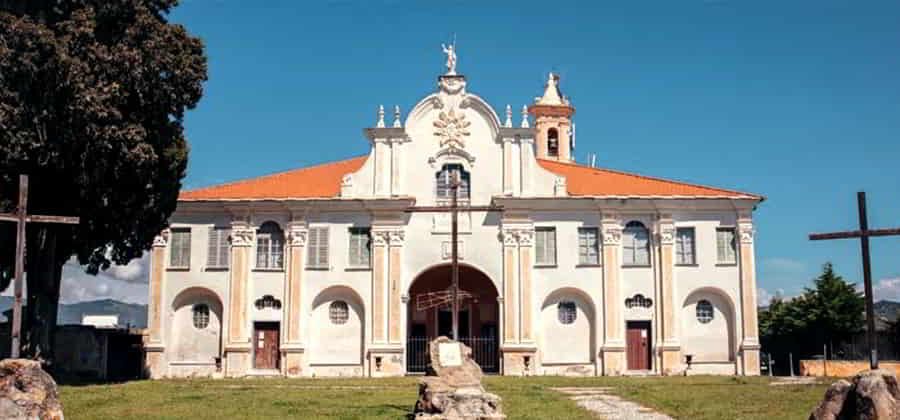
x=429, y=316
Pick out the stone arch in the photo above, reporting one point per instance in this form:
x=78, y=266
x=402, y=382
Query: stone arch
x=567, y=341
x=187, y=342
x=713, y=340
x=337, y=339
x=479, y=321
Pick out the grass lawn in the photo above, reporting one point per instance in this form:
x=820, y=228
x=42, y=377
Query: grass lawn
x=695, y=398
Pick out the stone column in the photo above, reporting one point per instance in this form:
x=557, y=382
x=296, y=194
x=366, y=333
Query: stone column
x=614, y=329
x=293, y=346
x=508, y=166
x=518, y=348
x=526, y=306
x=526, y=146
x=382, y=167
x=750, y=343
x=155, y=347
x=385, y=353
x=237, y=342
x=671, y=348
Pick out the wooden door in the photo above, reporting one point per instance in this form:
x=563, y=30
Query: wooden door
x=266, y=348
x=637, y=339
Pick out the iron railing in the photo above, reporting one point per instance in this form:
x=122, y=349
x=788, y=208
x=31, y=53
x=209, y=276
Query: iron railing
x=485, y=351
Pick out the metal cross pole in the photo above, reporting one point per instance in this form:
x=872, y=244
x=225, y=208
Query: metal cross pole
x=864, y=233
x=21, y=218
x=454, y=210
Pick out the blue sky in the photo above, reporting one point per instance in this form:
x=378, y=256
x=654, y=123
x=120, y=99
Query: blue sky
x=798, y=101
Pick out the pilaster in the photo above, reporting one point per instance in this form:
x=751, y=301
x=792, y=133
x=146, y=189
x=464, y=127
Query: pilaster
x=237, y=341
x=510, y=286
x=613, y=332
x=519, y=349
x=293, y=343
x=395, y=265
x=750, y=343
x=155, y=348
x=526, y=264
x=671, y=348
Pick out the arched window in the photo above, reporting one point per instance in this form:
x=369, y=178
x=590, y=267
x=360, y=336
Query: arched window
x=201, y=316
x=269, y=246
x=566, y=312
x=338, y=312
x=444, y=179
x=636, y=244
x=705, y=311
x=552, y=142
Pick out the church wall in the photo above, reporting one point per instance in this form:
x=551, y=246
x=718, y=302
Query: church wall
x=716, y=343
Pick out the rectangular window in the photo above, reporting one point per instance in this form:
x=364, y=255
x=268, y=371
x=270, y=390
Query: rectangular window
x=317, y=248
x=180, y=248
x=684, y=246
x=725, y=245
x=217, y=248
x=360, y=247
x=545, y=246
x=588, y=246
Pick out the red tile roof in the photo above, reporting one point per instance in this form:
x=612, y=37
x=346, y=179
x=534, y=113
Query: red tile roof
x=320, y=181
x=588, y=181
x=324, y=181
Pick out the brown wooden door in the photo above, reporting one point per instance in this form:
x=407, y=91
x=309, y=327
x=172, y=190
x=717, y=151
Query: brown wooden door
x=266, y=345
x=637, y=338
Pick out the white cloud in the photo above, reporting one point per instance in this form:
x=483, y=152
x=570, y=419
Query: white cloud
x=784, y=265
x=126, y=283
x=887, y=289
x=763, y=296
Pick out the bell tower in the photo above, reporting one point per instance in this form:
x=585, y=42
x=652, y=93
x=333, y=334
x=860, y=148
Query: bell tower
x=553, y=123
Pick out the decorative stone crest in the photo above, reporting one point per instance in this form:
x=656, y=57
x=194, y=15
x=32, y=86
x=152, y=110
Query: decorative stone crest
x=162, y=239
x=451, y=129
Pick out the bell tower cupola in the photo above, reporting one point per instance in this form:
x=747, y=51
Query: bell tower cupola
x=553, y=123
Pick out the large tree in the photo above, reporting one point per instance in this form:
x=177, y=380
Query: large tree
x=92, y=100
x=828, y=313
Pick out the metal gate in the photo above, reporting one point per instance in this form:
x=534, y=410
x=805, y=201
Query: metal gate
x=485, y=351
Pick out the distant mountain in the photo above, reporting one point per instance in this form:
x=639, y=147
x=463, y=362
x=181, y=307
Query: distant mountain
x=887, y=309
x=132, y=314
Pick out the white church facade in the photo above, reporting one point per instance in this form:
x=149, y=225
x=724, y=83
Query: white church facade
x=325, y=271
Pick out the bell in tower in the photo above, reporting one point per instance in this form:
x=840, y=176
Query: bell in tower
x=553, y=123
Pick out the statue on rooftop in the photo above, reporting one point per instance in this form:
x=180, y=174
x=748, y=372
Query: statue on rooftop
x=451, y=58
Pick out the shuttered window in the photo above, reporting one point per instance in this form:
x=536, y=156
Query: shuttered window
x=588, y=246
x=180, y=252
x=545, y=246
x=725, y=246
x=217, y=248
x=684, y=246
x=317, y=248
x=360, y=247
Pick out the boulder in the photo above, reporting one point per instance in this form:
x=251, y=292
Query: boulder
x=27, y=392
x=452, y=390
x=871, y=395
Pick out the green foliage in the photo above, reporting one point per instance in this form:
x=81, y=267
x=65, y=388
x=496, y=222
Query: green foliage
x=828, y=313
x=92, y=99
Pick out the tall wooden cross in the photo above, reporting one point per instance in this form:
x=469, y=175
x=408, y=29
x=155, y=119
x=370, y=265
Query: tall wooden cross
x=454, y=210
x=21, y=218
x=864, y=233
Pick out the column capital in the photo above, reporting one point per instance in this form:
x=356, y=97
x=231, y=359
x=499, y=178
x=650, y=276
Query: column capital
x=666, y=234
x=162, y=239
x=517, y=236
x=388, y=236
x=241, y=234
x=297, y=233
x=612, y=235
x=745, y=231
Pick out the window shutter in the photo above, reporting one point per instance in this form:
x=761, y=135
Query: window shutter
x=551, y=248
x=323, y=247
x=224, y=249
x=312, y=247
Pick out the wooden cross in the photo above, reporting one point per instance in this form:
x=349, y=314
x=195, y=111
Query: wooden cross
x=864, y=233
x=454, y=210
x=21, y=218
